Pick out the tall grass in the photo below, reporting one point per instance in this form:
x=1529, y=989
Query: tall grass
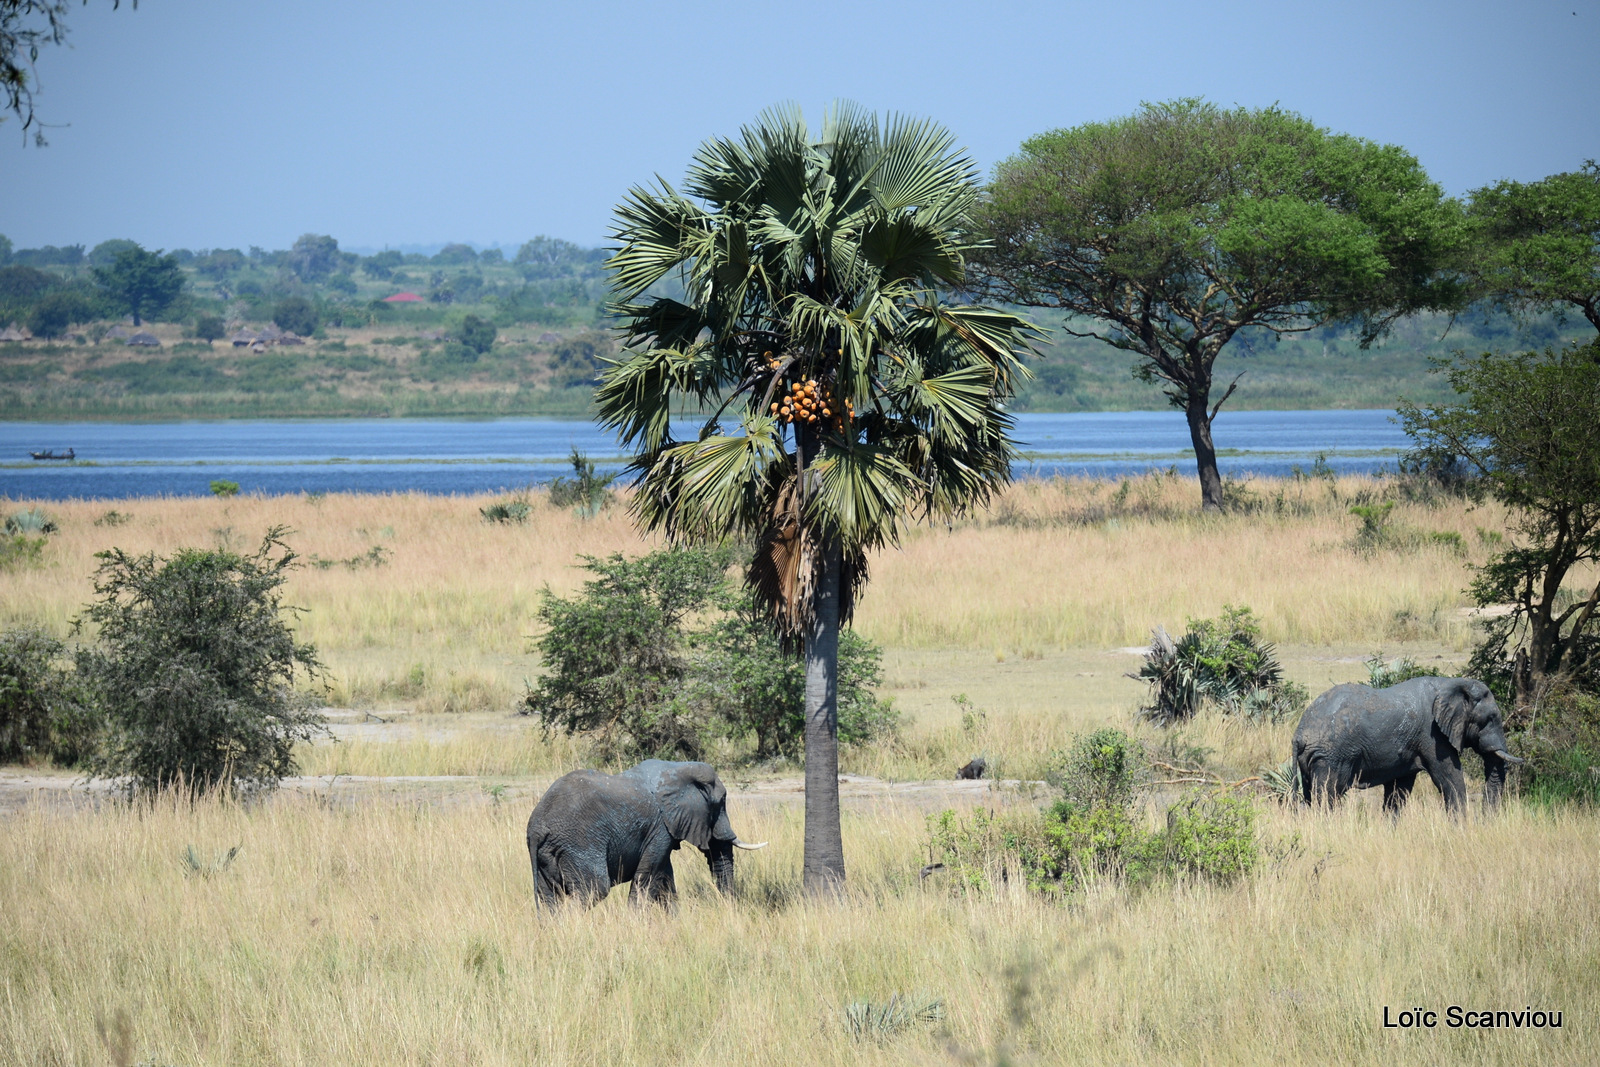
x=1063, y=564
x=398, y=934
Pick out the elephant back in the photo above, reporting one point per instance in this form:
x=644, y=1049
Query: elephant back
x=586, y=798
x=1317, y=724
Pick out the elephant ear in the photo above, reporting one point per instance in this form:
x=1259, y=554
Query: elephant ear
x=1451, y=706
x=691, y=798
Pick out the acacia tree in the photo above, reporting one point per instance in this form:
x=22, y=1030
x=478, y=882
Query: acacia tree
x=1167, y=232
x=1526, y=424
x=140, y=282
x=1539, y=242
x=847, y=398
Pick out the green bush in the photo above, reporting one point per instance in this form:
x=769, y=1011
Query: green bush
x=866, y=1020
x=42, y=711
x=1095, y=830
x=749, y=686
x=1375, y=532
x=194, y=669
x=1210, y=836
x=1562, y=748
x=477, y=334
x=515, y=511
x=221, y=487
x=19, y=550
x=1222, y=662
x=1100, y=770
x=53, y=314
x=617, y=654
x=295, y=314
x=23, y=537
x=210, y=328
x=661, y=655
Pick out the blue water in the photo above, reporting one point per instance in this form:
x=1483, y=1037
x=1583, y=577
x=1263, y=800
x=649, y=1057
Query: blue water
x=116, y=460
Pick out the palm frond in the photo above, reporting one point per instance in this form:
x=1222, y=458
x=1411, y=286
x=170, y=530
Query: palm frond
x=812, y=258
x=858, y=491
x=636, y=392
x=657, y=232
x=720, y=480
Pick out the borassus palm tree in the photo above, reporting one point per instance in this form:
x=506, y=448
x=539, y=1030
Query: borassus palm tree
x=846, y=398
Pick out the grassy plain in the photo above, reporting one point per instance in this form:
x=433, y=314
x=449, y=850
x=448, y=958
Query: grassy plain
x=406, y=934
x=445, y=622
x=398, y=931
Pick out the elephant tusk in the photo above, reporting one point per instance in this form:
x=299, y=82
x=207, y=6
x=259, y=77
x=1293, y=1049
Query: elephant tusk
x=1508, y=757
x=740, y=844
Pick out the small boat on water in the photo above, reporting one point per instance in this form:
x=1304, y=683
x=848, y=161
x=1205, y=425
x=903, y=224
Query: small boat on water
x=47, y=454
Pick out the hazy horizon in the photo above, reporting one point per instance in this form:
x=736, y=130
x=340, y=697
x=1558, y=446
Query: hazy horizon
x=183, y=124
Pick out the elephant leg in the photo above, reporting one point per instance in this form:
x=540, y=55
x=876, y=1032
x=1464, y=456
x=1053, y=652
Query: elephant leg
x=1320, y=783
x=654, y=881
x=1395, y=792
x=1452, y=784
x=562, y=877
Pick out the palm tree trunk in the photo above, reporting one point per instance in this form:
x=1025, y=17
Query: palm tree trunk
x=823, y=867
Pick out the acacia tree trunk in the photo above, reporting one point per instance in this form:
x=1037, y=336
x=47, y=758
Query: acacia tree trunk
x=1205, y=453
x=822, y=871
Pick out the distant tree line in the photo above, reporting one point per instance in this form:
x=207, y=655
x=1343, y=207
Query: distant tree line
x=50, y=289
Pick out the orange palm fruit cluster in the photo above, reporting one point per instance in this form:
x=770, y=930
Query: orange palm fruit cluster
x=812, y=402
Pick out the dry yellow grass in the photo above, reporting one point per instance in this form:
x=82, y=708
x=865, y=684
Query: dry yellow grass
x=444, y=625
x=396, y=934
x=403, y=932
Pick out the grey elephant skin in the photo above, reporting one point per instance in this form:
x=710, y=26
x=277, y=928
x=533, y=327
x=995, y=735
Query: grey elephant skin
x=1357, y=736
x=592, y=831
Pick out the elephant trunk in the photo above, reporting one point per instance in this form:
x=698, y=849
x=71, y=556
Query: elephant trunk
x=720, y=858
x=1494, y=777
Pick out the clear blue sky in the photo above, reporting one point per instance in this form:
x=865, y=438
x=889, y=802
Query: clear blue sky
x=218, y=123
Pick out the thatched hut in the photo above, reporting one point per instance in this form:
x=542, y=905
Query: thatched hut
x=144, y=340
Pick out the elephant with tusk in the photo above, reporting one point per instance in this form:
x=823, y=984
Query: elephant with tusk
x=1357, y=736
x=591, y=831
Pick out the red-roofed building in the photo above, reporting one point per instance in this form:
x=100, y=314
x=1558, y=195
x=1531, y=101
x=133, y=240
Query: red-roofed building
x=403, y=298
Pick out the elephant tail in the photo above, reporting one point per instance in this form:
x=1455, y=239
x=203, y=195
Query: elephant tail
x=1302, y=770
x=546, y=874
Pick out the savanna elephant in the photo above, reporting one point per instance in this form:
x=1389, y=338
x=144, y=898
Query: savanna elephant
x=1354, y=735
x=591, y=831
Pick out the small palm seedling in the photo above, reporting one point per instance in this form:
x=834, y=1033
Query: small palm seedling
x=193, y=864
x=1381, y=674
x=1282, y=782
x=1221, y=661
x=586, y=492
x=866, y=1020
x=30, y=522
x=507, y=512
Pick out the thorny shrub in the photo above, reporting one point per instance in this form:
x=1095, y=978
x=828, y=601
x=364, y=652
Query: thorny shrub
x=662, y=655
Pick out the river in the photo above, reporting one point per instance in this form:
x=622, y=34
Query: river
x=120, y=460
